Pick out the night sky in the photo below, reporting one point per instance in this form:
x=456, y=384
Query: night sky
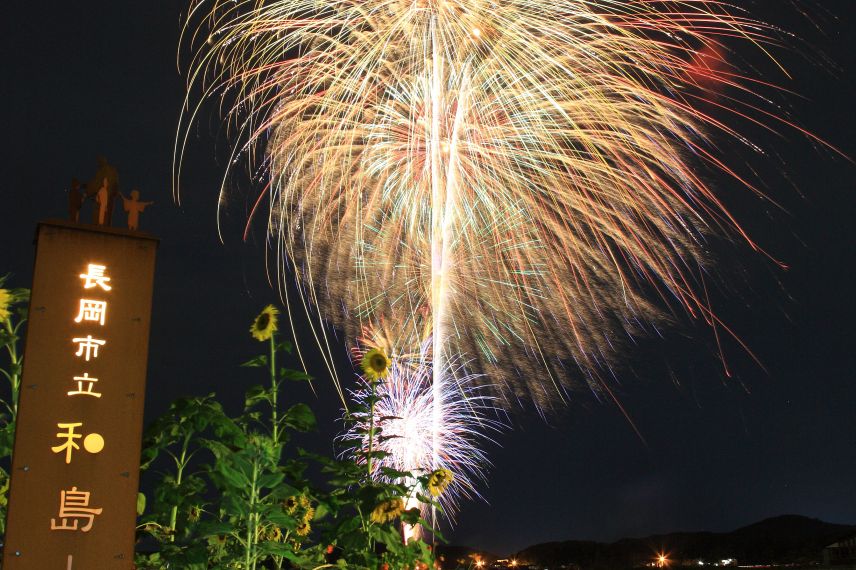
x=82, y=79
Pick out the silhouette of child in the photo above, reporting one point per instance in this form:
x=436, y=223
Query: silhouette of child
x=133, y=206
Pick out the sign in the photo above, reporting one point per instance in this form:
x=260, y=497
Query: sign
x=75, y=465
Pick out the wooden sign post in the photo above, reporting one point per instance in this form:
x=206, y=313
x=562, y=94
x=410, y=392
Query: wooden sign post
x=75, y=465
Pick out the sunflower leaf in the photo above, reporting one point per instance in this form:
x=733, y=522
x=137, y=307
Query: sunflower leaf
x=321, y=511
x=270, y=480
x=299, y=417
x=259, y=361
x=394, y=473
x=141, y=504
x=255, y=395
x=411, y=516
x=294, y=375
x=213, y=528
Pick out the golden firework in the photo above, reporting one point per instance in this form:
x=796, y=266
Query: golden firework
x=522, y=182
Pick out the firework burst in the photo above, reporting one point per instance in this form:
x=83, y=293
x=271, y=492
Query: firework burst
x=519, y=185
x=405, y=414
x=517, y=178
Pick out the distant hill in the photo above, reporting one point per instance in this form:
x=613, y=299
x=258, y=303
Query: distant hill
x=784, y=539
x=452, y=553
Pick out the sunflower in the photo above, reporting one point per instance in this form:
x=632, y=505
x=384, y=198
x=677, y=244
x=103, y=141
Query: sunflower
x=305, y=505
x=4, y=492
x=375, y=364
x=308, y=514
x=290, y=505
x=438, y=481
x=387, y=511
x=303, y=529
x=5, y=301
x=275, y=534
x=265, y=324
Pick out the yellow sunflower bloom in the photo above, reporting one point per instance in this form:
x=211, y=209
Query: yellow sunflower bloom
x=303, y=529
x=290, y=505
x=387, y=511
x=275, y=534
x=308, y=511
x=438, y=481
x=265, y=324
x=375, y=364
x=5, y=300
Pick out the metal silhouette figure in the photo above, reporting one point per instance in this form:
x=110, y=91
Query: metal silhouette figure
x=134, y=208
x=75, y=200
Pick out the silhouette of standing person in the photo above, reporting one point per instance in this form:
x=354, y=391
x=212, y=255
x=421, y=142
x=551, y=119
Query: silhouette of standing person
x=75, y=200
x=108, y=172
x=134, y=207
x=102, y=198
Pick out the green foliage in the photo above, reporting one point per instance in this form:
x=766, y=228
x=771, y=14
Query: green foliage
x=231, y=492
x=13, y=315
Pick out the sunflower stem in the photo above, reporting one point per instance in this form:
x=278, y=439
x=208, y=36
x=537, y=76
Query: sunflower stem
x=180, y=464
x=373, y=388
x=252, y=538
x=14, y=369
x=274, y=391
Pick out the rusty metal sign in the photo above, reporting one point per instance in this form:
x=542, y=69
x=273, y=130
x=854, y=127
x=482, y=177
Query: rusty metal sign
x=75, y=466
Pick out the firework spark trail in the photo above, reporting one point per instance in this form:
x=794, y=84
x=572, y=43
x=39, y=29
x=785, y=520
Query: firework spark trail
x=442, y=211
x=520, y=181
